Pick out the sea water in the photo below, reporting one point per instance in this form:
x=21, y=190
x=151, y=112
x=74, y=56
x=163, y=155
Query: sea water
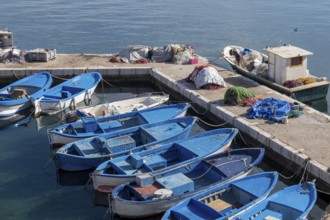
x=109, y=26
x=30, y=187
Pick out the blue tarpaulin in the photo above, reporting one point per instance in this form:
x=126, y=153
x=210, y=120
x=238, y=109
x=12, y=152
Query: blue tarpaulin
x=270, y=108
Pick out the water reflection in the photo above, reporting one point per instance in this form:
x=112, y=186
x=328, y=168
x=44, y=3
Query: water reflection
x=22, y=118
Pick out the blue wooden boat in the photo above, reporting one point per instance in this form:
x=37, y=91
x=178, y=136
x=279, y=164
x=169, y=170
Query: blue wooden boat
x=90, y=152
x=17, y=96
x=68, y=93
x=293, y=202
x=123, y=169
x=93, y=126
x=223, y=201
x=156, y=192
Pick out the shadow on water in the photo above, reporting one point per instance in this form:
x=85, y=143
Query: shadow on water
x=65, y=178
x=320, y=105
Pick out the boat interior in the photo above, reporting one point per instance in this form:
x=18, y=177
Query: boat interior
x=178, y=182
x=63, y=92
x=18, y=92
x=118, y=144
x=191, y=177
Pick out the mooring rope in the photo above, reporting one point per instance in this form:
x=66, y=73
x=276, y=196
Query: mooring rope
x=57, y=77
x=195, y=178
x=108, y=83
x=290, y=177
x=212, y=125
x=15, y=74
x=327, y=193
x=242, y=138
x=302, y=177
x=201, y=114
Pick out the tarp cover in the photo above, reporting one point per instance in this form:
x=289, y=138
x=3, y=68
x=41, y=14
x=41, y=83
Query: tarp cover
x=206, y=75
x=133, y=54
x=270, y=108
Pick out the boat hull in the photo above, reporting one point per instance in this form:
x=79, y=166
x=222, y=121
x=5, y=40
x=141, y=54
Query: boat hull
x=58, y=138
x=6, y=111
x=128, y=209
x=105, y=183
x=120, y=107
x=72, y=162
x=54, y=107
x=305, y=93
x=18, y=96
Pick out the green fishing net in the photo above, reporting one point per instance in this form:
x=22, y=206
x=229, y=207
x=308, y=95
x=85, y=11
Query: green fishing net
x=235, y=95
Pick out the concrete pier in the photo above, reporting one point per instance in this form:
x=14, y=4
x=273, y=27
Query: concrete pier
x=302, y=143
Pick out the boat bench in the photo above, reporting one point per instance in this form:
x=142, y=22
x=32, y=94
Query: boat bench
x=146, y=136
x=90, y=124
x=71, y=90
x=178, y=183
x=269, y=213
x=105, y=126
x=125, y=167
x=153, y=162
x=85, y=149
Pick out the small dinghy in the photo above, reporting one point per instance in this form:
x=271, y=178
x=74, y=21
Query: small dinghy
x=18, y=95
x=92, y=126
x=156, y=192
x=293, y=202
x=89, y=153
x=68, y=93
x=123, y=169
x=123, y=106
x=223, y=201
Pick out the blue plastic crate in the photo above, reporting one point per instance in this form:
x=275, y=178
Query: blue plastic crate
x=121, y=143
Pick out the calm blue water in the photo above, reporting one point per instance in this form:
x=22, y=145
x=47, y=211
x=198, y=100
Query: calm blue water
x=109, y=26
x=28, y=188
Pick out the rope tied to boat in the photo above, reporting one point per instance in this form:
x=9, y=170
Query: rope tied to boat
x=103, y=80
x=15, y=74
x=211, y=125
x=109, y=210
x=195, y=178
x=57, y=77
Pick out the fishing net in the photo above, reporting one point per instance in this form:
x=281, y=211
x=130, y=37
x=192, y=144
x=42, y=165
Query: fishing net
x=308, y=80
x=236, y=95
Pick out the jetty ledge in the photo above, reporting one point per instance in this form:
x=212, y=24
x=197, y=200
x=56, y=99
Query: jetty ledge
x=301, y=143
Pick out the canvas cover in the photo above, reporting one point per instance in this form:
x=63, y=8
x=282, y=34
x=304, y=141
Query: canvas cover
x=206, y=75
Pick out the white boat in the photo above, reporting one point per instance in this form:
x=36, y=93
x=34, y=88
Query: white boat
x=124, y=106
x=68, y=94
x=17, y=96
x=282, y=66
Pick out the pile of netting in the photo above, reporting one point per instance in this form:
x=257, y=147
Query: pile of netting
x=13, y=56
x=298, y=82
x=240, y=96
x=140, y=54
